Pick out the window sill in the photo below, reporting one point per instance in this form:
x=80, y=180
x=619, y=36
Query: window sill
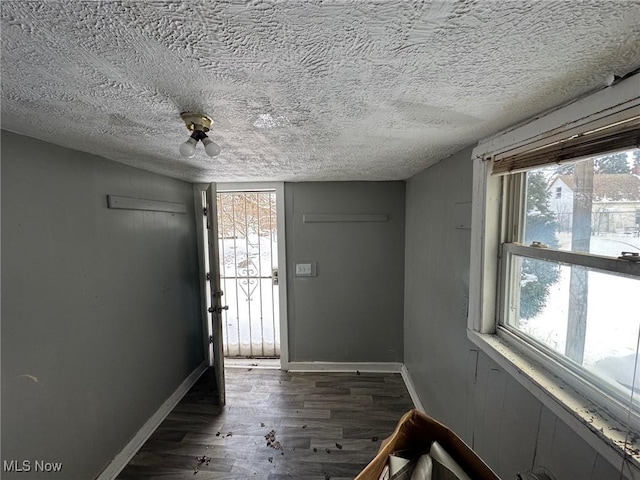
x=606, y=435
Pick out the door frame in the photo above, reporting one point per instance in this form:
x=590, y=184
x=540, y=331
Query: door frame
x=278, y=187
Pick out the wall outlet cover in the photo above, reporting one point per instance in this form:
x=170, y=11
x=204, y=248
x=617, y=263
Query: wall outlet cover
x=305, y=269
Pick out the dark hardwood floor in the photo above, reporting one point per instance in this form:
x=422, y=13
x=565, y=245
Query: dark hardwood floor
x=324, y=425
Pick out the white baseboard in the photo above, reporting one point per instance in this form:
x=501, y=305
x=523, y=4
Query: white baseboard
x=368, y=367
x=257, y=363
x=120, y=461
x=408, y=381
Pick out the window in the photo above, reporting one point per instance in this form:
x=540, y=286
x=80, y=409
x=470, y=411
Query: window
x=555, y=276
x=569, y=282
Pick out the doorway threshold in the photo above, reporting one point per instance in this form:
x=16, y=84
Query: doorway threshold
x=265, y=363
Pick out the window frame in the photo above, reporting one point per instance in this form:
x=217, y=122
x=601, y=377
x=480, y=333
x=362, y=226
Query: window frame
x=567, y=394
x=585, y=382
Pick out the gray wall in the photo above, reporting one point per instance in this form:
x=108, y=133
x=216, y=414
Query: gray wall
x=352, y=311
x=101, y=306
x=461, y=387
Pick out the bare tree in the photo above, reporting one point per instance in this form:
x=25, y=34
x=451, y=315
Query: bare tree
x=241, y=214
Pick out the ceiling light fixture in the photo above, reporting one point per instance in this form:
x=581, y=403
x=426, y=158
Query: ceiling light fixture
x=199, y=124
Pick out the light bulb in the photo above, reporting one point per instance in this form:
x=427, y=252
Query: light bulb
x=188, y=148
x=210, y=147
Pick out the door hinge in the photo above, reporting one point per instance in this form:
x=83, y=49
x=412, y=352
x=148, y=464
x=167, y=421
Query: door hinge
x=210, y=338
x=204, y=210
x=208, y=276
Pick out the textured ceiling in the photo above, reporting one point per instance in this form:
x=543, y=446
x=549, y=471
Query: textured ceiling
x=300, y=90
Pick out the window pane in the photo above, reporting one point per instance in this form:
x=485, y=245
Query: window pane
x=588, y=316
x=588, y=206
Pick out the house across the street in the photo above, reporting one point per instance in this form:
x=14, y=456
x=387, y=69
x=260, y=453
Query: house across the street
x=616, y=202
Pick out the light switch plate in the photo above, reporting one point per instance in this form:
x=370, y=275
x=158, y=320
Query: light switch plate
x=305, y=269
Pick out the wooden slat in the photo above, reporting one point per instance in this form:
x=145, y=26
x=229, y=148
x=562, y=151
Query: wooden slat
x=128, y=203
x=332, y=217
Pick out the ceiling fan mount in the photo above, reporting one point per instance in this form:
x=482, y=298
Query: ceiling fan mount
x=196, y=121
x=199, y=124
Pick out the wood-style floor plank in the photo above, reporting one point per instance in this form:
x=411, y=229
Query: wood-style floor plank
x=328, y=425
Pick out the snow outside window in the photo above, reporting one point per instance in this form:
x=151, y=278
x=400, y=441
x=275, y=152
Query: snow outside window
x=569, y=275
x=554, y=285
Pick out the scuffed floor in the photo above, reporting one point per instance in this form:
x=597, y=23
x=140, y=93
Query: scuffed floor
x=276, y=426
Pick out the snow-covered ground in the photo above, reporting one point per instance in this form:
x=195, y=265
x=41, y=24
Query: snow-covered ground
x=611, y=244
x=613, y=318
x=251, y=326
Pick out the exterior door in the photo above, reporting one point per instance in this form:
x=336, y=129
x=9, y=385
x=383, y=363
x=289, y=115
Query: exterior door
x=248, y=250
x=216, y=308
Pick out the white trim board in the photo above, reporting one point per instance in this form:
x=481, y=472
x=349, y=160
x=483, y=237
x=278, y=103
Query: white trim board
x=411, y=388
x=252, y=363
x=126, y=454
x=337, y=217
x=128, y=203
x=368, y=367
